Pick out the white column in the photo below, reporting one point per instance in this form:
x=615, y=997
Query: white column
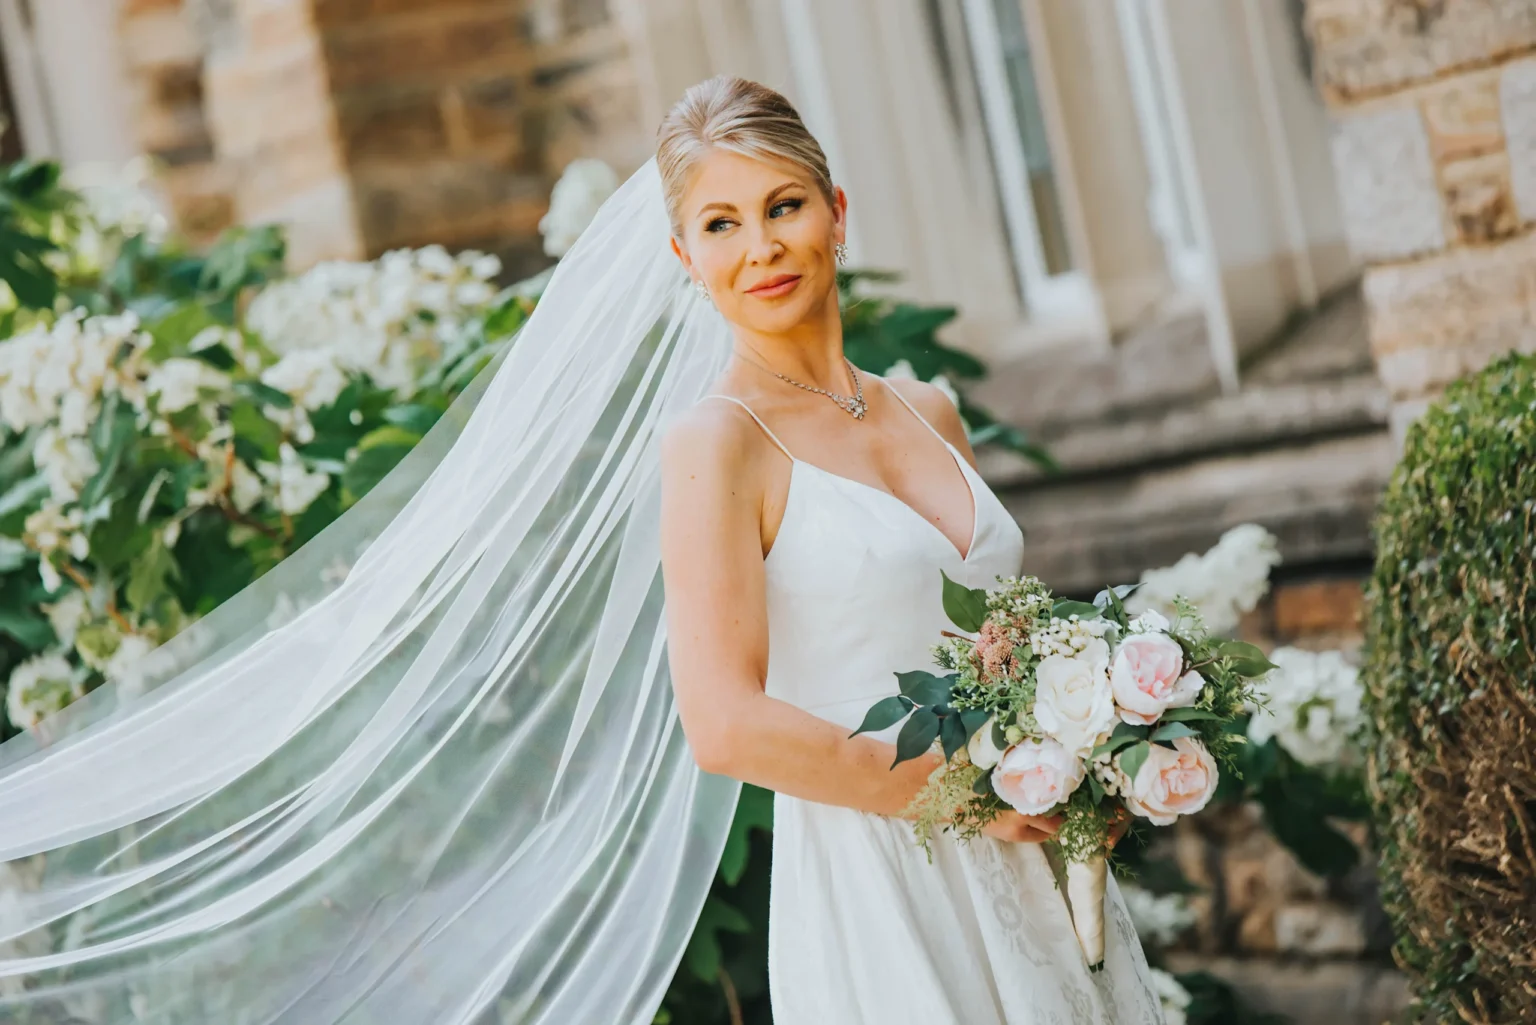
x=870, y=88
x=68, y=75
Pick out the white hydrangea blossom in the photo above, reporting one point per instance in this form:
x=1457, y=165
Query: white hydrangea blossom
x=65, y=462
x=1160, y=919
x=583, y=187
x=126, y=665
x=1173, y=996
x=120, y=202
x=296, y=485
x=903, y=370
x=1224, y=583
x=57, y=374
x=67, y=615
x=179, y=382
x=1312, y=706
x=311, y=377
x=39, y=687
x=386, y=318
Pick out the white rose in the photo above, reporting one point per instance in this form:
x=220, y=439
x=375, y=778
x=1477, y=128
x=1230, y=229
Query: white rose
x=1150, y=621
x=1073, y=701
x=1172, y=782
x=1035, y=775
x=983, y=752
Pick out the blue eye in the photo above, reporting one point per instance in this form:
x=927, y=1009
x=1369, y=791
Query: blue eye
x=716, y=225
x=791, y=204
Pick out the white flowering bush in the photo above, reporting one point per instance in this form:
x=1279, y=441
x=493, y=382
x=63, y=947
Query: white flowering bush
x=1312, y=707
x=172, y=425
x=1224, y=582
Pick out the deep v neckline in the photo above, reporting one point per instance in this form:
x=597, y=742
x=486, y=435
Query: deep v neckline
x=970, y=547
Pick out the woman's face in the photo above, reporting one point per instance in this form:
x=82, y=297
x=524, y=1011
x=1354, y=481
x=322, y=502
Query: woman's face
x=762, y=238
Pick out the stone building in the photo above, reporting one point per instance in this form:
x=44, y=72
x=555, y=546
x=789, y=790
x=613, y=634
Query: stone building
x=1436, y=151
x=1152, y=225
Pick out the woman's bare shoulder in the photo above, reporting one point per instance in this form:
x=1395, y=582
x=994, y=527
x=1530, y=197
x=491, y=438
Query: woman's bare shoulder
x=934, y=405
x=711, y=440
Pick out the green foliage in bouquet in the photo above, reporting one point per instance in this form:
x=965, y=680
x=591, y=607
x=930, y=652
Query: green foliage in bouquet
x=1451, y=692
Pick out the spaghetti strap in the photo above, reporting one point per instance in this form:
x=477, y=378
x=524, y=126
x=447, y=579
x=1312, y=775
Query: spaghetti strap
x=772, y=437
x=913, y=410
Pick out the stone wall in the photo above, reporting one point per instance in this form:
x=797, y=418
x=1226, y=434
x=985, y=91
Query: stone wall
x=1435, y=151
x=1291, y=942
x=164, y=62
x=365, y=125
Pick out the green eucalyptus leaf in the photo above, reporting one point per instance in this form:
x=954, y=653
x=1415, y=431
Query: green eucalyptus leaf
x=1173, y=731
x=973, y=719
x=1066, y=608
x=1112, y=745
x=27, y=626
x=952, y=735
x=924, y=688
x=1190, y=715
x=885, y=713
x=917, y=736
x=983, y=785
x=966, y=607
x=1134, y=757
x=754, y=810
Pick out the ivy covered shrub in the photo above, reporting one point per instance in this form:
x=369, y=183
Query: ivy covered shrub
x=1451, y=693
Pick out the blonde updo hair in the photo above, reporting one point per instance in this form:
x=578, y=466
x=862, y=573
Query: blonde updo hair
x=743, y=117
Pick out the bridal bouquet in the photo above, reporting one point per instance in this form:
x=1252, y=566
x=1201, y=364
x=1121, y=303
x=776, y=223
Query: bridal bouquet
x=1057, y=707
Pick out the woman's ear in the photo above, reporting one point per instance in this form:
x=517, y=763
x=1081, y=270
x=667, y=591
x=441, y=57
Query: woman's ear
x=840, y=212
x=682, y=254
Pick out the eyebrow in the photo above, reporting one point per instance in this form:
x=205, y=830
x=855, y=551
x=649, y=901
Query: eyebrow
x=730, y=208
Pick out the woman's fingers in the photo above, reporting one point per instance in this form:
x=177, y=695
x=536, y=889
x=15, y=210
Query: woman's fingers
x=1047, y=824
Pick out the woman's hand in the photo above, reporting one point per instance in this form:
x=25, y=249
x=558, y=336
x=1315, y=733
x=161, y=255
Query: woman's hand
x=1119, y=828
x=1011, y=827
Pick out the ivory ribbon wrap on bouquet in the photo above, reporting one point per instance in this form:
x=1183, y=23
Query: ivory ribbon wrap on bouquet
x=1086, y=883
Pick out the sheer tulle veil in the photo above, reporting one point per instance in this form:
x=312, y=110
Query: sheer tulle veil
x=449, y=787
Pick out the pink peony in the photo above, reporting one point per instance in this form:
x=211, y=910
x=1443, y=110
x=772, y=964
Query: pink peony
x=1148, y=678
x=1172, y=783
x=1035, y=776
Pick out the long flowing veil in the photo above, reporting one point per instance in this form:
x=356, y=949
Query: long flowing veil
x=450, y=787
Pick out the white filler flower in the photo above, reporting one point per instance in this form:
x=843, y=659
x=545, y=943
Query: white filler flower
x=1312, y=706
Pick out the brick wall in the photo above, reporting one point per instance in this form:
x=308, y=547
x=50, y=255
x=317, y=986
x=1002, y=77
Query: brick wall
x=365, y=125
x=1435, y=102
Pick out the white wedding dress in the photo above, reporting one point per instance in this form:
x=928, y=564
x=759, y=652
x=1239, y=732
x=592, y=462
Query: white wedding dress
x=862, y=928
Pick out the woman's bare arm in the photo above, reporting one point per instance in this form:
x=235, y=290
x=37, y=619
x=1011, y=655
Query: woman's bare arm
x=713, y=464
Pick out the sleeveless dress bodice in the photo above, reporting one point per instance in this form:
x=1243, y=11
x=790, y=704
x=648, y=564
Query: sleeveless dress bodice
x=862, y=927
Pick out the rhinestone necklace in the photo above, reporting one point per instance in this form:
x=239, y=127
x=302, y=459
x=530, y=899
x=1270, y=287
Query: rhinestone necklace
x=853, y=404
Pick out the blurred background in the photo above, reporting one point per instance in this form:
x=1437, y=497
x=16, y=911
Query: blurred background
x=1193, y=264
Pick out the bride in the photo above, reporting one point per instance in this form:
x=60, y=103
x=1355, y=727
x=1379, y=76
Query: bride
x=807, y=512
x=671, y=528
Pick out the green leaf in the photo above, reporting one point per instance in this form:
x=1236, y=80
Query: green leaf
x=703, y=955
x=1245, y=659
x=111, y=435
x=27, y=626
x=973, y=719
x=884, y=714
x=754, y=810
x=983, y=785
x=1112, y=745
x=917, y=736
x=1121, y=591
x=151, y=576
x=23, y=494
x=414, y=417
x=372, y=466
x=1134, y=758
x=925, y=688
x=264, y=394
x=388, y=436
x=13, y=554
x=952, y=735
x=1126, y=729
x=966, y=607
x=174, y=331
x=1316, y=844
x=1173, y=731
x=1096, y=787
x=1190, y=715
x=1066, y=609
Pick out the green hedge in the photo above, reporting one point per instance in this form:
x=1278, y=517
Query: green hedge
x=1452, y=699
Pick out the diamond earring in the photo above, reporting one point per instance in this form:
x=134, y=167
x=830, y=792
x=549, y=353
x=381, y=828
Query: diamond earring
x=842, y=254
x=699, y=287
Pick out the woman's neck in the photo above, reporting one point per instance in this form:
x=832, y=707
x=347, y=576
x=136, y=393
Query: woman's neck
x=811, y=352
